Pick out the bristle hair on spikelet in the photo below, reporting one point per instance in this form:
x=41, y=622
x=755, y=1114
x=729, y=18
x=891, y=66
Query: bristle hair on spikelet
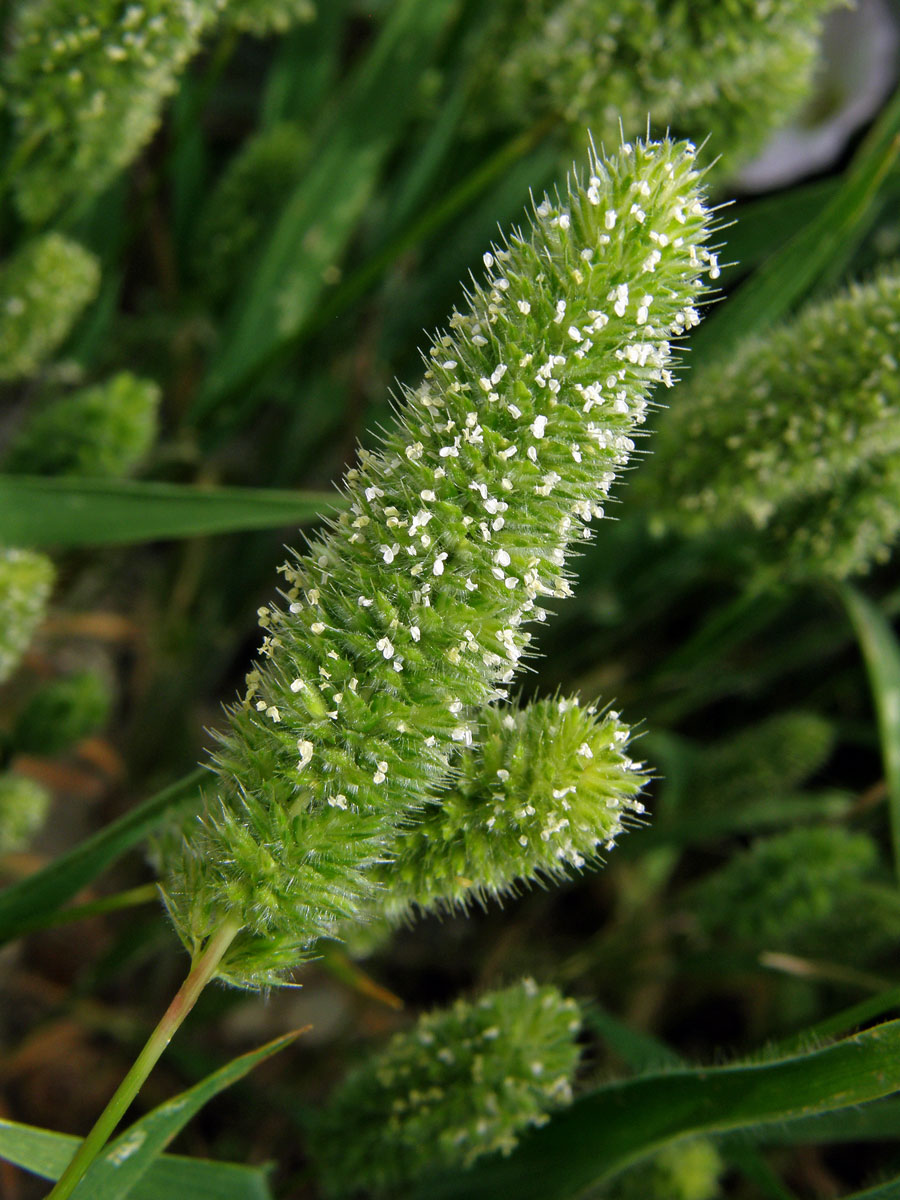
x=102, y=431
x=544, y=791
x=462, y=1083
x=44, y=288
x=86, y=84
x=792, y=425
x=408, y=615
x=26, y=580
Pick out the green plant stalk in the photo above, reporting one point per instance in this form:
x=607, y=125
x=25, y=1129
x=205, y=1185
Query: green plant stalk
x=202, y=971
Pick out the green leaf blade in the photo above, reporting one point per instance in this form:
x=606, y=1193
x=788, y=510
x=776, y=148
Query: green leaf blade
x=881, y=650
x=126, y=1162
x=24, y=905
x=45, y=1153
x=38, y=511
x=615, y=1126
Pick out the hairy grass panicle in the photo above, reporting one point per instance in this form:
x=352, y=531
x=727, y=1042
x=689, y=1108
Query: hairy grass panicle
x=544, y=790
x=770, y=895
x=24, y=804
x=102, y=431
x=731, y=69
x=44, y=288
x=793, y=426
x=408, y=616
x=86, y=84
x=265, y=17
x=689, y=1170
x=26, y=580
x=463, y=1082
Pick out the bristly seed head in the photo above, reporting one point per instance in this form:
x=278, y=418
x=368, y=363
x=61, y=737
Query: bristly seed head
x=272, y=852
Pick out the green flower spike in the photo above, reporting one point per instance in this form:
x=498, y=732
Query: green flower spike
x=408, y=617
x=733, y=69
x=43, y=289
x=844, y=532
x=462, y=1083
x=265, y=17
x=102, y=431
x=245, y=204
x=26, y=579
x=771, y=895
x=23, y=810
x=61, y=713
x=770, y=758
x=86, y=83
x=684, y=1171
x=787, y=429
x=543, y=790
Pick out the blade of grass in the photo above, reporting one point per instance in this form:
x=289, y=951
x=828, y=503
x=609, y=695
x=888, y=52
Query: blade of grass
x=876, y=1122
x=129, y=1158
x=321, y=214
x=429, y=223
x=785, y=278
x=26, y=904
x=38, y=511
x=304, y=65
x=881, y=651
x=760, y=224
x=882, y=1191
x=45, y=1153
x=615, y=1126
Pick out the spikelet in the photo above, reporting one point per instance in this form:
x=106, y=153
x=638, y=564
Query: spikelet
x=770, y=895
x=408, y=616
x=97, y=432
x=86, y=85
x=772, y=757
x=43, y=289
x=790, y=427
x=62, y=712
x=541, y=793
x=265, y=17
x=843, y=533
x=462, y=1083
x=733, y=69
x=26, y=579
x=244, y=205
x=688, y=1170
x=23, y=810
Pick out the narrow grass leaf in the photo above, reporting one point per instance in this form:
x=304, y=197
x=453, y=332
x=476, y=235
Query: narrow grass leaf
x=615, y=1126
x=881, y=651
x=45, y=1153
x=38, y=511
x=130, y=1157
x=871, y=1123
x=883, y=1191
x=321, y=214
x=25, y=905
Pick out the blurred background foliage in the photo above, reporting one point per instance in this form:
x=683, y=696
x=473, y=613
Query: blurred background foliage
x=210, y=277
